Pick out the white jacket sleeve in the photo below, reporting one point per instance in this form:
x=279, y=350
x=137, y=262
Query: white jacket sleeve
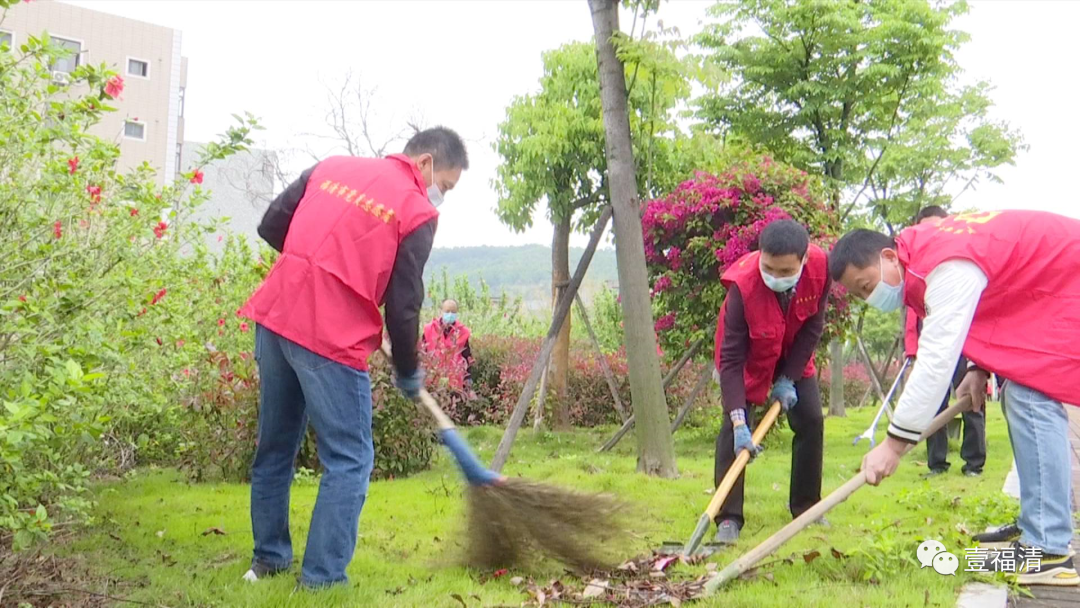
x=953, y=290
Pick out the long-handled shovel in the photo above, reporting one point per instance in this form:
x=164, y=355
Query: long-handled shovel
x=722, y=490
x=869, y=433
x=747, y=560
x=510, y=518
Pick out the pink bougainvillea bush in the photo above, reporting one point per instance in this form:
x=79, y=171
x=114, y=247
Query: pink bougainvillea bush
x=707, y=223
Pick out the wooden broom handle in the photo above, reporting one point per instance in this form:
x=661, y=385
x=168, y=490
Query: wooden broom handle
x=425, y=399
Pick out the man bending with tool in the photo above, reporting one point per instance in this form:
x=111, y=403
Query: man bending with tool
x=354, y=234
x=769, y=327
x=973, y=448
x=1003, y=287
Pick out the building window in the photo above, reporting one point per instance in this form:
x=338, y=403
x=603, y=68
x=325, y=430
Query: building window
x=71, y=59
x=134, y=130
x=182, y=89
x=7, y=39
x=138, y=67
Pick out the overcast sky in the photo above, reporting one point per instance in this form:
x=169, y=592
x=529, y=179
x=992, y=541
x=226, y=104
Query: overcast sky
x=460, y=63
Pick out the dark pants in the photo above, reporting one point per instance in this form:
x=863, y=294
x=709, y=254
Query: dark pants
x=806, y=421
x=973, y=447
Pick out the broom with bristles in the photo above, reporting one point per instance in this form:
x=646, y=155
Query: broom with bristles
x=511, y=520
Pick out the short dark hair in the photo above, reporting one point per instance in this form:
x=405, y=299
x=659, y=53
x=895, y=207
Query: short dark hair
x=859, y=248
x=930, y=211
x=784, y=237
x=443, y=144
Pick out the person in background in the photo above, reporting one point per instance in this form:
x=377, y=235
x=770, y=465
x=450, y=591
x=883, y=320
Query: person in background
x=768, y=329
x=1003, y=288
x=447, y=338
x=354, y=235
x=973, y=448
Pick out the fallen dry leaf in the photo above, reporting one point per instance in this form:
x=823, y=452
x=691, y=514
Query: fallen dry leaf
x=517, y=580
x=661, y=564
x=214, y=531
x=836, y=554
x=160, y=533
x=776, y=487
x=811, y=556
x=595, y=588
x=459, y=599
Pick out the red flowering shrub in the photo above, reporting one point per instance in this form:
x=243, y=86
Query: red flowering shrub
x=707, y=223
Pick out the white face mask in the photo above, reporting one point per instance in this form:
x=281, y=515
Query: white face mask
x=885, y=297
x=780, y=284
x=433, y=193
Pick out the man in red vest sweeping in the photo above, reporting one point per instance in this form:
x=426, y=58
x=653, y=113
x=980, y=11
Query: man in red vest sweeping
x=1003, y=287
x=447, y=339
x=769, y=327
x=973, y=447
x=354, y=235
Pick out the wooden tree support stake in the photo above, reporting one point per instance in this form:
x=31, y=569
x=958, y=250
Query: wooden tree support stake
x=538, y=416
x=612, y=385
x=702, y=382
x=629, y=424
x=562, y=309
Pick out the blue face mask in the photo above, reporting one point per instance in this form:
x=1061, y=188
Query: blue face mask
x=449, y=317
x=885, y=297
x=780, y=284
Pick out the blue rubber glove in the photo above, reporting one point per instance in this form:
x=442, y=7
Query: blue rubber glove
x=743, y=441
x=475, y=472
x=783, y=390
x=410, y=385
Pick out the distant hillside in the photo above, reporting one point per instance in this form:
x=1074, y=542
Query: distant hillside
x=524, y=270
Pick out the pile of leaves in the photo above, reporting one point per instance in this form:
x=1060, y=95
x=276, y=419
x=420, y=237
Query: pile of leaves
x=641, y=581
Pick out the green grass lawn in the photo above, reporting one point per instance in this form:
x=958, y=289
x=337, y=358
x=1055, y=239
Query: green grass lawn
x=149, y=529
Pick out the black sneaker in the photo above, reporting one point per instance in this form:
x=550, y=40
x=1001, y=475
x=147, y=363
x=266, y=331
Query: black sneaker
x=1000, y=538
x=934, y=473
x=1032, y=567
x=727, y=532
x=259, y=571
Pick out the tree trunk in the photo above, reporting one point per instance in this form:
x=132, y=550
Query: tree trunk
x=836, y=369
x=560, y=358
x=656, y=454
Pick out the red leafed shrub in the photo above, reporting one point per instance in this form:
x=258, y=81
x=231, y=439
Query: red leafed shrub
x=502, y=366
x=856, y=383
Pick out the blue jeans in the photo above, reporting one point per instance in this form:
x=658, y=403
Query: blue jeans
x=297, y=385
x=1039, y=433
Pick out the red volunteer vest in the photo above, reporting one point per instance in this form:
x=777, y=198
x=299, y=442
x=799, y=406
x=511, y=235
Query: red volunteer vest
x=1027, y=323
x=771, y=333
x=911, y=332
x=447, y=348
x=326, y=288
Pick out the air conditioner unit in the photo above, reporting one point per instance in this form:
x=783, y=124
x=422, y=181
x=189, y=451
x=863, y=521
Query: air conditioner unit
x=61, y=77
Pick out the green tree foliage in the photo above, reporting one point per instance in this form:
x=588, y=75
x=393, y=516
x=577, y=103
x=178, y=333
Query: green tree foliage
x=552, y=142
x=863, y=93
